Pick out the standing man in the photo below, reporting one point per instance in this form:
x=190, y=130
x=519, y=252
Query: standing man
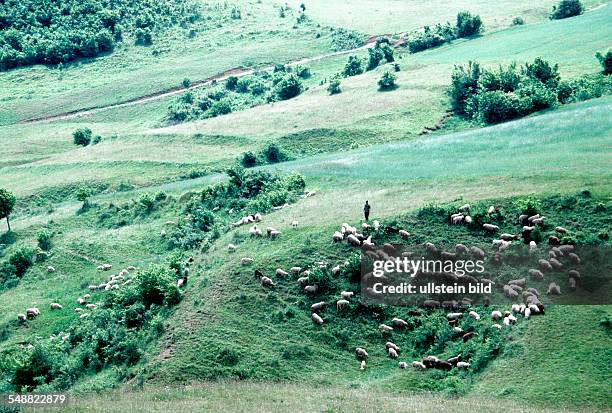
x=366, y=210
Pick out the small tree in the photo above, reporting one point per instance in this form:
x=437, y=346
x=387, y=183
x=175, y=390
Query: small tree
x=387, y=81
x=468, y=25
x=7, y=203
x=518, y=21
x=353, y=67
x=289, y=87
x=605, y=61
x=249, y=160
x=567, y=8
x=82, y=136
x=273, y=154
x=82, y=195
x=334, y=86
x=44, y=240
x=186, y=82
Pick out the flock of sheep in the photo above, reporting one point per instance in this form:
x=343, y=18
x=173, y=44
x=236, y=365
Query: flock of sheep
x=115, y=281
x=513, y=289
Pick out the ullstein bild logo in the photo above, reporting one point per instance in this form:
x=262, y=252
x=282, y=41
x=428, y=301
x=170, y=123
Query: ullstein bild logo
x=458, y=275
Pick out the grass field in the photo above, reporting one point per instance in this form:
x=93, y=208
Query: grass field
x=230, y=345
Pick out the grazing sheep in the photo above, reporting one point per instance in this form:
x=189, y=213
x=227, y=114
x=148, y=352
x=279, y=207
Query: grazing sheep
x=430, y=248
x=81, y=301
x=281, y=273
x=520, y=282
x=468, y=219
x=296, y=270
x=464, y=207
x=340, y=304
x=533, y=246
x=474, y=315
x=545, y=265
x=180, y=283
x=454, y=316
x=22, y=317
x=573, y=274
x=477, y=253
x=431, y=303
x=246, y=261
x=574, y=258
x=552, y=240
x=56, y=306
x=555, y=264
x=509, y=320
x=92, y=287
x=490, y=227
x=454, y=360
x=491, y=210
x=338, y=236
x=463, y=365
x=554, y=289
x=361, y=353
x=353, y=240
x=317, y=306
x=457, y=329
x=392, y=353
x=302, y=281
x=458, y=219
x=317, y=318
x=496, y=315
x=561, y=230
x=32, y=312
x=78, y=310
x=310, y=289
x=527, y=312
x=385, y=328
x=399, y=323
x=274, y=234
x=91, y=306
x=418, y=365
x=50, y=269
x=497, y=326
x=266, y=282
x=461, y=249
x=84, y=315
x=467, y=336
x=336, y=271
x=376, y=225
x=536, y=274
x=538, y=221
x=346, y=294
x=402, y=365
x=509, y=292
x=131, y=268
x=531, y=218
x=294, y=224
x=362, y=365
x=392, y=345
x=566, y=248
x=403, y=233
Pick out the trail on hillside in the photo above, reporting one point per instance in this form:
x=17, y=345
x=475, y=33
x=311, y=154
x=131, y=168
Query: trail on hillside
x=237, y=71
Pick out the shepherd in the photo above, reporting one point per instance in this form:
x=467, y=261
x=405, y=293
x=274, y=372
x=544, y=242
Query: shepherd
x=366, y=211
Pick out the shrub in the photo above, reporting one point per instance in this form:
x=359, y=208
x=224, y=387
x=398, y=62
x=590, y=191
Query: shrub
x=22, y=258
x=426, y=39
x=334, y=86
x=566, y=8
x=605, y=61
x=353, y=67
x=464, y=85
x=243, y=85
x=588, y=87
x=44, y=240
x=343, y=39
x=231, y=83
x=536, y=96
x=273, y=154
x=302, y=71
x=186, y=82
x=144, y=37
x=248, y=160
x=96, y=140
x=375, y=56
x=288, y=87
x=220, y=107
x=497, y=106
x=82, y=136
x=7, y=203
x=468, y=25
x=542, y=71
x=387, y=81
x=518, y=21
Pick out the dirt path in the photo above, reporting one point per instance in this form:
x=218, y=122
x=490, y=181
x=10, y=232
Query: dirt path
x=237, y=71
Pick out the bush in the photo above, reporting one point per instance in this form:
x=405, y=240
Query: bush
x=542, y=71
x=353, y=67
x=605, y=61
x=288, y=87
x=220, y=107
x=498, y=106
x=243, y=85
x=468, y=25
x=44, y=240
x=82, y=136
x=334, y=86
x=566, y=8
x=518, y=21
x=231, y=83
x=273, y=154
x=387, y=81
x=186, y=82
x=584, y=88
x=22, y=258
x=144, y=37
x=248, y=160
x=302, y=71
x=96, y=140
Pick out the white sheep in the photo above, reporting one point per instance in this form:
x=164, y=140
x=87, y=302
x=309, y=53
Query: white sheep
x=22, y=317
x=274, y=234
x=464, y=207
x=353, y=240
x=376, y=225
x=92, y=287
x=50, y=269
x=402, y=364
x=490, y=227
x=341, y=304
x=491, y=210
x=385, y=328
x=362, y=365
x=403, y=233
x=180, y=283
x=294, y=224
x=32, y=312
x=81, y=301
x=310, y=289
x=468, y=219
x=336, y=271
x=536, y=274
x=361, y=353
x=533, y=246
x=257, y=217
x=246, y=261
x=458, y=219
x=463, y=365
x=317, y=306
x=496, y=315
x=84, y=315
x=527, y=312
x=280, y=273
x=561, y=230
x=56, y=306
x=418, y=365
x=392, y=353
x=317, y=318
x=78, y=310
x=474, y=315
x=296, y=270
x=346, y=294
x=266, y=282
x=231, y=248
x=554, y=289
x=497, y=326
x=399, y=323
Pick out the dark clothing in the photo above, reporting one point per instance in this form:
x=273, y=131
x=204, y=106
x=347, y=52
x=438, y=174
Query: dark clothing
x=366, y=211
